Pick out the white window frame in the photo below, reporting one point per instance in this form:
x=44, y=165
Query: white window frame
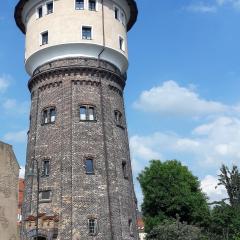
x=41, y=38
x=119, y=12
x=46, y=7
x=87, y=26
x=123, y=47
x=96, y=10
x=84, y=6
x=37, y=12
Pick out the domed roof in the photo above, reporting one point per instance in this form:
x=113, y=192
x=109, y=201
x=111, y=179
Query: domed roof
x=19, y=8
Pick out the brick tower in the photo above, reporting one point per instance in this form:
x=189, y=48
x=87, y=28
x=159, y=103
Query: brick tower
x=77, y=57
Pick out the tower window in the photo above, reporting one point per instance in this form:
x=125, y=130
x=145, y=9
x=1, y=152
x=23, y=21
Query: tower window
x=116, y=11
x=123, y=19
x=87, y=113
x=87, y=33
x=49, y=7
x=79, y=4
x=121, y=44
x=89, y=166
x=130, y=222
x=40, y=12
x=118, y=118
x=45, y=168
x=45, y=195
x=92, y=226
x=92, y=5
x=124, y=170
x=49, y=115
x=44, y=38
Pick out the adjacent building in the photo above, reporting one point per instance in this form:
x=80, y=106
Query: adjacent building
x=9, y=172
x=77, y=58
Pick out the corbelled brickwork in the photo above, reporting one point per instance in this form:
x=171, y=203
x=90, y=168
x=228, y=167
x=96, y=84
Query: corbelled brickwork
x=108, y=194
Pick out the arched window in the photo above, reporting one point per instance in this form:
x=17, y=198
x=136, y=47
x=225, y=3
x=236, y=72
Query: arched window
x=87, y=113
x=49, y=115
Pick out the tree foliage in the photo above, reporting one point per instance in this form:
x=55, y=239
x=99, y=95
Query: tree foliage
x=230, y=179
x=170, y=189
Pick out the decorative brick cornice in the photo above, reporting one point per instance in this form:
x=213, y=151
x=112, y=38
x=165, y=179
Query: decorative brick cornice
x=115, y=89
x=88, y=67
x=50, y=85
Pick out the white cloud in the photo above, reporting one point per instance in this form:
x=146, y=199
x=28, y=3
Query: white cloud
x=4, y=83
x=12, y=106
x=201, y=7
x=208, y=146
x=214, y=192
x=16, y=137
x=172, y=99
x=204, y=6
x=22, y=172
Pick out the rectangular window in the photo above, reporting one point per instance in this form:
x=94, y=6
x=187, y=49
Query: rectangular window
x=123, y=19
x=79, y=4
x=87, y=33
x=116, y=10
x=46, y=168
x=130, y=222
x=83, y=113
x=118, y=118
x=44, y=38
x=45, y=116
x=40, y=12
x=49, y=7
x=45, y=195
x=92, y=226
x=52, y=115
x=92, y=5
x=91, y=114
x=89, y=166
x=124, y=169
x=121, y=44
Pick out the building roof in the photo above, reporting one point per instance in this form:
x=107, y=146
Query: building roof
x=19, y=8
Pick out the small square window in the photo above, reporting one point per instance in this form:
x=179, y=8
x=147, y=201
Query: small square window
x=49, y=7
x=92, y=5
x=87, y=33
x=44, y=38
x=92, y=226
x=45, y=195
x=45, y=168
x=89, y=166
x=40, y=12
x=79, y=4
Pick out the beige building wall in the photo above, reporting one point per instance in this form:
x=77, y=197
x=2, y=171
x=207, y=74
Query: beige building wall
x=9, y=172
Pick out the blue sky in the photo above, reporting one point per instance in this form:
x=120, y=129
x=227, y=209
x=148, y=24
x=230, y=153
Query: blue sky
x=182, y=95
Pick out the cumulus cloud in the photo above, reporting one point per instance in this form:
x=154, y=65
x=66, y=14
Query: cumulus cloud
x=172, y=99
x=4, y=83
x=210, y=187
x=209, y=145
x=16, y=137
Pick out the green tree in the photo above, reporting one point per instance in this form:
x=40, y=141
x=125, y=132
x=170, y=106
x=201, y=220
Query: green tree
x=176, y=231
x=170, y=189
x=230, y=179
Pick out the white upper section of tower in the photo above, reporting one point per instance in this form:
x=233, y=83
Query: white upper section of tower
x=57, y=29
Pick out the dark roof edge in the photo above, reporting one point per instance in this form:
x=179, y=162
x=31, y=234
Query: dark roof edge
x=19, y=7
